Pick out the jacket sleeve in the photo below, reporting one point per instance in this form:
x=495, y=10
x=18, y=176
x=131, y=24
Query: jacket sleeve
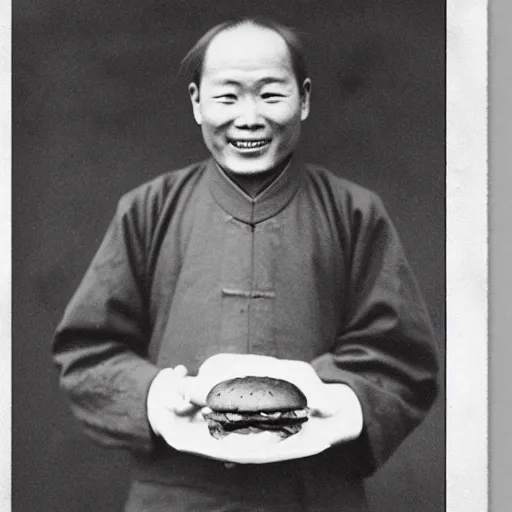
x=386, y=352
x=101, y=342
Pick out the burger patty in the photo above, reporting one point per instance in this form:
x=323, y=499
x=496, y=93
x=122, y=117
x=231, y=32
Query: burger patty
x=278, y=418
x=285, y=423
x=219, y=430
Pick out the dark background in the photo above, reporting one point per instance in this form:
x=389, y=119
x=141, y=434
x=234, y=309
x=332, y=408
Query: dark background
x=98, y=108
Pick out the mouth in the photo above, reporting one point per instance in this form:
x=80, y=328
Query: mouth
x=247, y=145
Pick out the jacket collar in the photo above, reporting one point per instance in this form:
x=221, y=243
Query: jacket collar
x=251, y=210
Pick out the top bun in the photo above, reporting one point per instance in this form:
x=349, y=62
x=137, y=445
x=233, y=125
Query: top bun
x=249, y=394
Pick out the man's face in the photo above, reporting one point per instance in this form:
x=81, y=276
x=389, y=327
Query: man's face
x=249, y=105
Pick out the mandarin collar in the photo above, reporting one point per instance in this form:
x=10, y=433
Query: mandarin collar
x=251, y=210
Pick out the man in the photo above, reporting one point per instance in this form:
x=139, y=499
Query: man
x=251, y=252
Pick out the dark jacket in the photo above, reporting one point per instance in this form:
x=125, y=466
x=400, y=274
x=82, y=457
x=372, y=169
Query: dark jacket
x=312, y=269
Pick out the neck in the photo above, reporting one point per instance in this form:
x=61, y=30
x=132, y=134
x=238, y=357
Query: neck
x=253, y=184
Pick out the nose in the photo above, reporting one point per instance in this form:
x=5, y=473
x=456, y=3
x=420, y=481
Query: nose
x=249, y=116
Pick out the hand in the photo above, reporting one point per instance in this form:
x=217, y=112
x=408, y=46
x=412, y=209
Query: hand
x=176, y=400
x=167, y=399
x=339, y=412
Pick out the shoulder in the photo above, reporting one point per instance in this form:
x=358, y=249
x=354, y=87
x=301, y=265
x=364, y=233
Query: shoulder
x=344, y=193
x=152, y=195
x=357, y=210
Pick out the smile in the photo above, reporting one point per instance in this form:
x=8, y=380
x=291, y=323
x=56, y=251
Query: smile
x=249, y=144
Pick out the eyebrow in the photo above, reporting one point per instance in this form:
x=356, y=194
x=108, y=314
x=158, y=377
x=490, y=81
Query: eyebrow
x=273, y=80
x=262, y=81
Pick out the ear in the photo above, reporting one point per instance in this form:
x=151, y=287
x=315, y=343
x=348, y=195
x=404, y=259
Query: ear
x=193, y=91
x=305, y=94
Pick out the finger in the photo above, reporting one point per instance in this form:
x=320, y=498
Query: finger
x=176, y=406
x=186, y=387
x=180, y=371
x=197, y=395
x=185, y=409
x=315, y=413
x=194, y=390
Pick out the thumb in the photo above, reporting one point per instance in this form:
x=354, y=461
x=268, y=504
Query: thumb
x=180, y=371
x=180, y=378
x=324, y=404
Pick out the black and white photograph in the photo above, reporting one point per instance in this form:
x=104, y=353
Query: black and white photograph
x=229, y=256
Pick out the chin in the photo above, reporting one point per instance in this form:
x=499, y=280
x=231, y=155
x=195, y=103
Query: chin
x=250, y=167
x=247, y=168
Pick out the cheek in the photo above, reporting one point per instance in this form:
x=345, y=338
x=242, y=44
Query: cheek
x=216, y=117
x=213, y=138
x=283, y=117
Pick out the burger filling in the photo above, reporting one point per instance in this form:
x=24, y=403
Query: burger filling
x=283, y=423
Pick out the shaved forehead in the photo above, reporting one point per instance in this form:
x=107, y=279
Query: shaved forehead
x=244, y=36
x=247, y=46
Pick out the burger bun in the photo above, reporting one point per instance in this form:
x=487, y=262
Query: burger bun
x=251, y=393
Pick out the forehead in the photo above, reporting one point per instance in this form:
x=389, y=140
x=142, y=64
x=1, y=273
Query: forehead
x=247, y=50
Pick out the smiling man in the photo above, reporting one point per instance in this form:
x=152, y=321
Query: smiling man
x=250, y=104
x=252, y=252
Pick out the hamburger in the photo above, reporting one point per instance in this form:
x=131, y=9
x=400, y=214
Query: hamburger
x=273, y=408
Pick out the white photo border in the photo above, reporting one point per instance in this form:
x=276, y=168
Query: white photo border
x=5, y=255
x=466, y=256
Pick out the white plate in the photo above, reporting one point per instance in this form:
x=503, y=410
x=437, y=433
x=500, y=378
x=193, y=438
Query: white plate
x=190, y=434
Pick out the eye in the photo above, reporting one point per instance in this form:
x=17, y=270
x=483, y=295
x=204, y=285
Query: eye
x=272, y=96
x=226, y=98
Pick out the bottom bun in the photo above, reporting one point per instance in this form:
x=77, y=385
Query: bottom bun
x=259, y=441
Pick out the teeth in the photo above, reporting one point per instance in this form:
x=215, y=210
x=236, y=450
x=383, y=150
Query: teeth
x=249, y=144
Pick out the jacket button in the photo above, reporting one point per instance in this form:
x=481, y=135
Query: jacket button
x=229, y=465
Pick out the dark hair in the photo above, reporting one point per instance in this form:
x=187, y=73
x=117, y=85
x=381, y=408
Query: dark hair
x=192, y=64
